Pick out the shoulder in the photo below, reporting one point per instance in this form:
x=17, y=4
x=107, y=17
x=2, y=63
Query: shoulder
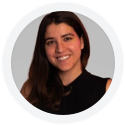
x=99, y=82
x=26, y=89
x=108, y=84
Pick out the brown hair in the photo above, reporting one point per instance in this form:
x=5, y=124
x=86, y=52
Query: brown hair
x=43, y=81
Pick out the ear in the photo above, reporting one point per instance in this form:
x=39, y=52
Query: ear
x=82, y=42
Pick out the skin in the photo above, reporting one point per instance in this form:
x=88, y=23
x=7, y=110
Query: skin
x=108, y=84
x=64, y=41
x=61, y=41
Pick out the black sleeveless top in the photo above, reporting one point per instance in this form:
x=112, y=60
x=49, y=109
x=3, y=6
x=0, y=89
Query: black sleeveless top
x=87, y=89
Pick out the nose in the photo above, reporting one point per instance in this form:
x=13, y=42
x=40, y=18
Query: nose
x=60, y=47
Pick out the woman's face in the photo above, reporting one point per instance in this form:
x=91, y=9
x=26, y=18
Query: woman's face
x=63, y=47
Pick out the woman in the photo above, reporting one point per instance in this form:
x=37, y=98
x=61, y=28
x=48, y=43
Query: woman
x=58, y=82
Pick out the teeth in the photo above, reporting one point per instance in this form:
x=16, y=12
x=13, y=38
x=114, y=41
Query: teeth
x=63, y=58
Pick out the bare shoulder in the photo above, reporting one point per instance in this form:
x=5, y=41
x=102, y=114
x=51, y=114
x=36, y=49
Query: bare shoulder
x=108, y=84
x=26, y=89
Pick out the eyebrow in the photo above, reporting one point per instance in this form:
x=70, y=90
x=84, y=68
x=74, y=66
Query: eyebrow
x=68, y=34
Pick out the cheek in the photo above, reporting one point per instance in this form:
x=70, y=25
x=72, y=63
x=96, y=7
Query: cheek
x=76, y=46
x=49, y=52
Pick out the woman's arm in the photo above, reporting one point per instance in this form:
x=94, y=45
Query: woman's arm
x=108, y=84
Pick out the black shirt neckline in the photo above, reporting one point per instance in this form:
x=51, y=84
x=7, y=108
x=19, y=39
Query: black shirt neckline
x=76, y=83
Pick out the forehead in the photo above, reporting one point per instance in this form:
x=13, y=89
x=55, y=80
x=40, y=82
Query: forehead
x=58, y=29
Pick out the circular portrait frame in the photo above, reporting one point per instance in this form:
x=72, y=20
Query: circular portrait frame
x=42, y=11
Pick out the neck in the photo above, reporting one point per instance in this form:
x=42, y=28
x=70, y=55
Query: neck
x=69, y=76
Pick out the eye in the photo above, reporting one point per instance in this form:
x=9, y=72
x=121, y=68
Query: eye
x=50, y=42
x=67, y=38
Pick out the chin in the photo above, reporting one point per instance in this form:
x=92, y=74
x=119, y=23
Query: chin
x=64, y=69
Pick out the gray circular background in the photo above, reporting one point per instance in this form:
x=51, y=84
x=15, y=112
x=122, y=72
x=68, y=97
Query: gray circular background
x=101, y=61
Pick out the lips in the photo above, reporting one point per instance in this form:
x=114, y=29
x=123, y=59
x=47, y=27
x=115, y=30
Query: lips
x=63, y=57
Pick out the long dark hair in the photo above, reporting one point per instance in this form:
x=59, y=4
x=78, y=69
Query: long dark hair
x=44, y=81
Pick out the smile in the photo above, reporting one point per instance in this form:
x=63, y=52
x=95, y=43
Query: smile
x=63, y=57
